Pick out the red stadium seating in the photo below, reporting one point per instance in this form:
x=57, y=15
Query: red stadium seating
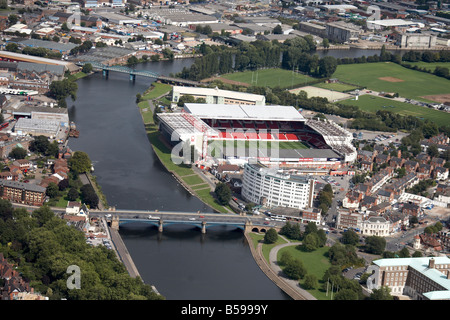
x=252, y=135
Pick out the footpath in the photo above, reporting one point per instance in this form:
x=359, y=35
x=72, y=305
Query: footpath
x=274, y=272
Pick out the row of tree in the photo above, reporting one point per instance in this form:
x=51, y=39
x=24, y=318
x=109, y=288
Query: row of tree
x=43, y=247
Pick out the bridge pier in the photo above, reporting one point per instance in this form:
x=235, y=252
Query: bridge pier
x=160, y=226
x=105, y=73
x=203, y=227
x=132, y=77
x=115, y=223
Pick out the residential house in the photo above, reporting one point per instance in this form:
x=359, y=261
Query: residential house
x=411, y=166
x=437, y=162
x=423, y=158
x=424, y=171
x=382, y=159
x=396, y=162
x=411, y=209
x=352, y=200
x=440, y=173
x=368, y=202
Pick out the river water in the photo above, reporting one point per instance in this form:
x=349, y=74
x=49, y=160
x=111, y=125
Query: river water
x=182, y=263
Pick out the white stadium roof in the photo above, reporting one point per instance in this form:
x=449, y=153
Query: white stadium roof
x=243, y=112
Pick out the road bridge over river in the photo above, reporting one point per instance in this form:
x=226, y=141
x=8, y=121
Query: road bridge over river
x=201, y=220
x=133, y=73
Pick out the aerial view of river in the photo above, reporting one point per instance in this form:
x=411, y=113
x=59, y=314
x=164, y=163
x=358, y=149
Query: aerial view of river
x=181, y=262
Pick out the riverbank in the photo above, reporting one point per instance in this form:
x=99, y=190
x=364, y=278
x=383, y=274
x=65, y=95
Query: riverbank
x=184, y=174
x=274, y=272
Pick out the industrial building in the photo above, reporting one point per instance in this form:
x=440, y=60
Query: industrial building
x=217, y=96
x=37, y=127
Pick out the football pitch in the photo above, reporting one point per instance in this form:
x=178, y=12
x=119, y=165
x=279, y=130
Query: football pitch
x=391, y=77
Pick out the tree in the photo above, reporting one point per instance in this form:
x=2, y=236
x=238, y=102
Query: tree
x=73, y=194
x=62, y=89
x=311, y=282
x=87, y=68
x=346, y=294
x=271, y=236
x=18, y=153
x=295, y=269
x=6, y=210
x=80, y=162
x=383, y=293
x=285, y=258
x=223, y=193
x=310, y=242
x=327, y=66
x=433, y=151
x=52, y=190
x=132, y=61
x=350, y=237
x=277, y=29
x=89, y=196
x=375, y=244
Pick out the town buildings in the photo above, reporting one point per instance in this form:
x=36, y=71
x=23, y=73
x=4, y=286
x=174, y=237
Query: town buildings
x=418, y=278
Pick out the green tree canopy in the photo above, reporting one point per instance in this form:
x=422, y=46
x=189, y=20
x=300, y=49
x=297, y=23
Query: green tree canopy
x=80, y=162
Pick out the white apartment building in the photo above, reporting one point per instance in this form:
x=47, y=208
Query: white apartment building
x=275, y=188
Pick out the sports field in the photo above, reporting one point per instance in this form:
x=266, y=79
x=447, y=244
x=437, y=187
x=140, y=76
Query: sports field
x=269, y=78
x=313, y=91
x=391, y=77
x=372, y=103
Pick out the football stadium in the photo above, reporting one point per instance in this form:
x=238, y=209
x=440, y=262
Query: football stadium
x=271, y=135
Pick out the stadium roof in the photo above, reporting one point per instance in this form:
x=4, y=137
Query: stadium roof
x=243, y=112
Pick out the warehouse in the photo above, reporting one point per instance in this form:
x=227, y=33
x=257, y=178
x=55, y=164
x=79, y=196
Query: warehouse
x=37, y=127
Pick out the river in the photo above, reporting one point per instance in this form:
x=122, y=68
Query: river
x=182, y=263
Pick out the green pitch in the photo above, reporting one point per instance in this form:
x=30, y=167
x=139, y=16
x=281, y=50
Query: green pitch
x=270, y=78
x=373, y=104
x=410, y=83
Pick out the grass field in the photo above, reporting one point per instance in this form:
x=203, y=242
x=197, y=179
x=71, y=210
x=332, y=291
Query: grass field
x=270, y=78
x=411, y=84
x=315, y=262
x=373, y=104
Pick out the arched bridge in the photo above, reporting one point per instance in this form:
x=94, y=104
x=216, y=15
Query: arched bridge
x=133, y=73
x=201, y=220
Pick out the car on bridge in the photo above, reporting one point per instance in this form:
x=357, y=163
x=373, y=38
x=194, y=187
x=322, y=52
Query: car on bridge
x=150, y=217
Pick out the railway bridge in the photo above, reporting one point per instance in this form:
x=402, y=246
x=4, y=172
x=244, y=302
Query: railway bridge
x=133, y=73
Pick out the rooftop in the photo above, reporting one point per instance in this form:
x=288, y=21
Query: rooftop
x=244, y=112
